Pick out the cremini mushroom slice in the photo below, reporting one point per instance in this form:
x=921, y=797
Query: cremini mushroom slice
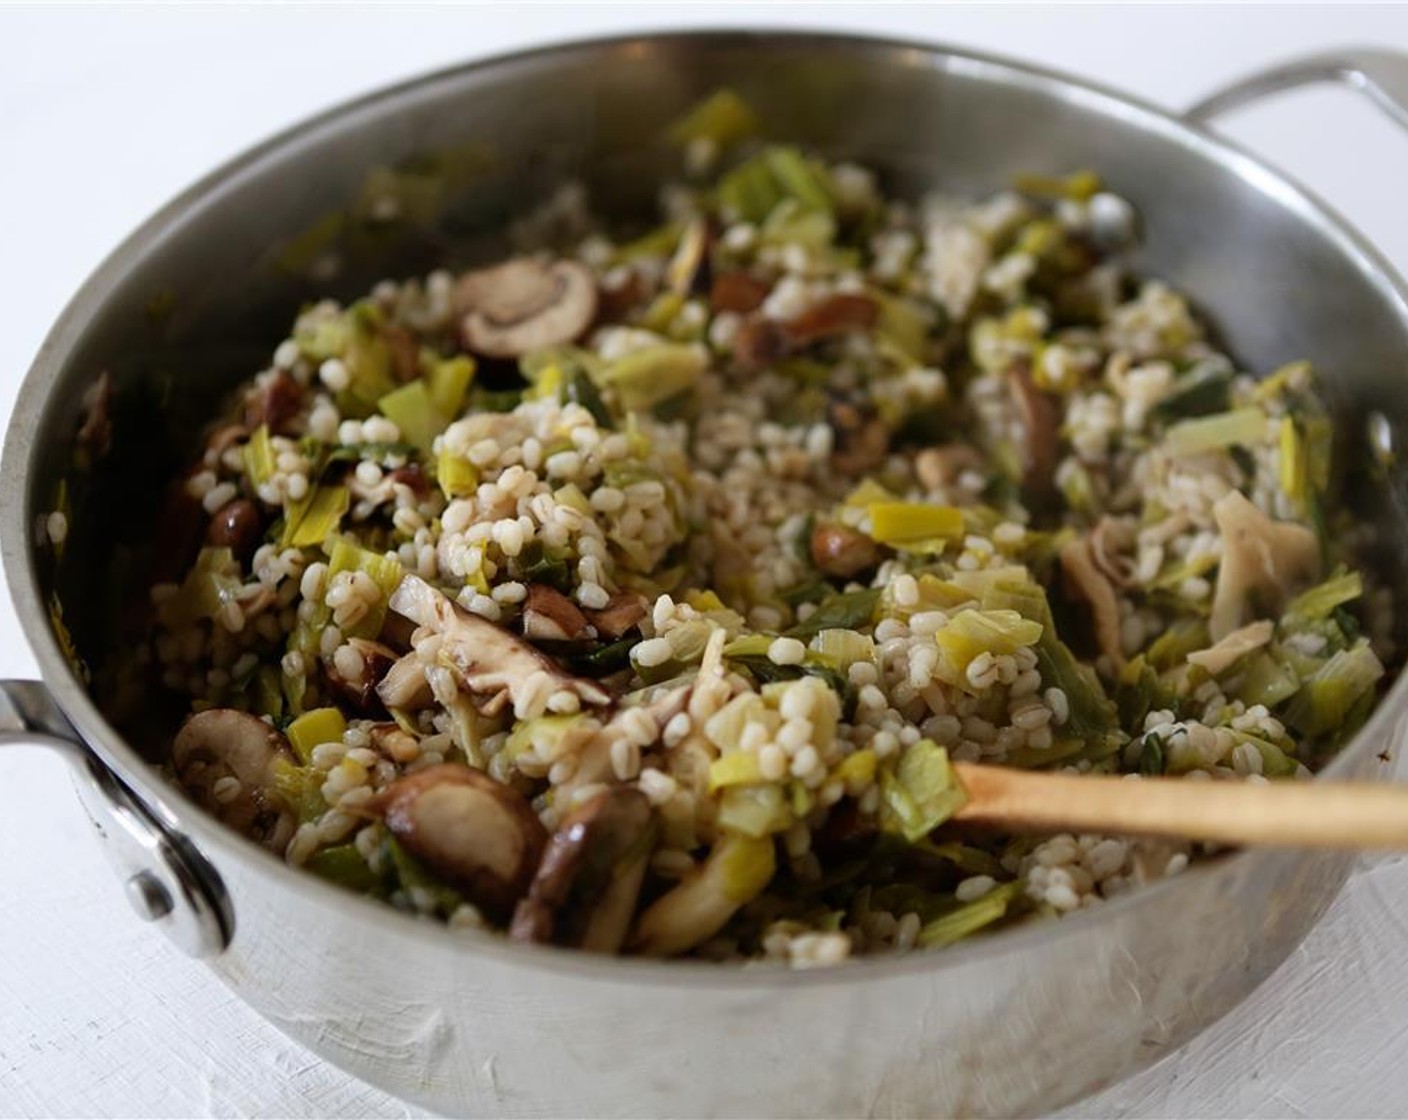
x=550, y=616
x=497, y=667
x=1264, y=563
x=737, y=291
x=225, y=759
x=475, y=833
x=405, y=685
x=860, y=439
x=586, y=887
x=1110, y=542
x=940, y=467
x=1222, y=656
x=738, y=869
x=360, y=689
x=837, y=314
x=1040, y=416
x=622, y=614
x=838, y=550
x=1088, y=583
x=525, y=304
x=274, y=403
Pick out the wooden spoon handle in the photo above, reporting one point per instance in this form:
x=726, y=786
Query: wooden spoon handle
x=1281, y=814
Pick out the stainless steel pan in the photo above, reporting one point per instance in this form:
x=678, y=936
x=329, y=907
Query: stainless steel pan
x=1015, y=1023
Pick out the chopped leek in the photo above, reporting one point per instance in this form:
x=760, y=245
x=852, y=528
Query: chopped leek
x=458, y=478
x=902, y=523
x=723, y=119
x=754, y=810
x=843, y=648
x=1324, y=701
x=737, y=768
x=921, y=792
x=385, y=572
x=645, y=378
x=415, y=413
x=315, y=517
x=448, y=381
x=259, y=457
x=1246, y=427
x=343, y=865
x=970, y=917
x=321, y=725
x=970, y=633
x=845, y=611
x=1321, y=600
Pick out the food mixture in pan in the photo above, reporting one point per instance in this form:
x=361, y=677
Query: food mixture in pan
x=637, y=594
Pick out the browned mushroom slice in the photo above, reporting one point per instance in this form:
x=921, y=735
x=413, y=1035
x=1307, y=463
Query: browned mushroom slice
x=860, y=439
x=940, y=467
x=275, y=403
x=405, y=686
x=237, y=526
x=585, y=891
x=688, y=270
x=550, y=616
x=622, y=614
x=475, y=833
x=1110, y=541
x=837, y=314
x=1040, y=416
x=404, y=351
x=1264, y=563
x=525, y=304
x=838, y=550
x=1089, y=584
x=225, y=759
x=737, y=291
x=759, y=343
x=490, y=662
x=360, y=690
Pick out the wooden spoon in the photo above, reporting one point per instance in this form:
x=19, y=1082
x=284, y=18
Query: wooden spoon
x=1280, y=814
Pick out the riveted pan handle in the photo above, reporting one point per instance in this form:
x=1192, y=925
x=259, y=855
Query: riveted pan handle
x=168, y=882
x=1379, y=74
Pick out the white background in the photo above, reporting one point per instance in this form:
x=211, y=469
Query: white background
x=104, y=114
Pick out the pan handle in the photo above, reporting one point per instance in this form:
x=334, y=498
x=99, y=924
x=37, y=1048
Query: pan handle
x=1381, y=75
x=168, y=882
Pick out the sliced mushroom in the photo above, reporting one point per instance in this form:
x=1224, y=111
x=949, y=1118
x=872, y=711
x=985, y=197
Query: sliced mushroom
x=1088, y=583
x=237, y=526
x=1109, y=544
x=838, y=550
x=1040, y=417
x=361, y=691
x=860, y=439
x=737, y=291
x=688, y=270
x=837, y=314
x=1223, y=655
x=94, y=437
x=475, y=833
x=395, y=742
x=1264, y=563
x=404, y=351
x=225, y=759
x=585, y=891
x=622, y=614
x=274, y=403
x=940, y=467
x=738, y=870
x=490, y=662
x=550, y=616
x=525, y=304
x=759, y=342
x=405, y=686
x=412, y=475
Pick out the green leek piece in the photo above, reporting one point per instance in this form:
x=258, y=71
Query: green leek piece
x=750, y=191
x=1275, y=762
x=1266, y=680
x=1246, y=427
x=800, y=178
x=843, y=648
x=921, y=792
x=857, y=770
x=723, y=118
x=754, y=810
x=268, y=692
x=543, y=734
x=660, y=242
x=321, y=725
x=1182, y=637
x=791, y=223
x=448, y=381
x=973, y=632
x=1202, y=391
x=368, y=361
x=315, y=517
x=212, y=582
x=903, y=523
x=386, y=573
x=1321, y=600
x=645, y=378
x=737, y=768
x=458, y=478
x=300, y=788
x=1079, y=186
x=904, y=323
x=847, y=610
x=965, y=857
x=1324, y=701
x=343, y=865
x=415, y=876
x=970, y=917
x=259, y=458
x=413, y=411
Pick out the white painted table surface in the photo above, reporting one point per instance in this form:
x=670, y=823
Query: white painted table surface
x=106, y=114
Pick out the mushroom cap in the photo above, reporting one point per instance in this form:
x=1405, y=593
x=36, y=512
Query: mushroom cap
x=474, y=832
x=550, y=616
x=1093, y=587
x=839, y=550
x=585, y=890
x=525, y=304
x=223, y=743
